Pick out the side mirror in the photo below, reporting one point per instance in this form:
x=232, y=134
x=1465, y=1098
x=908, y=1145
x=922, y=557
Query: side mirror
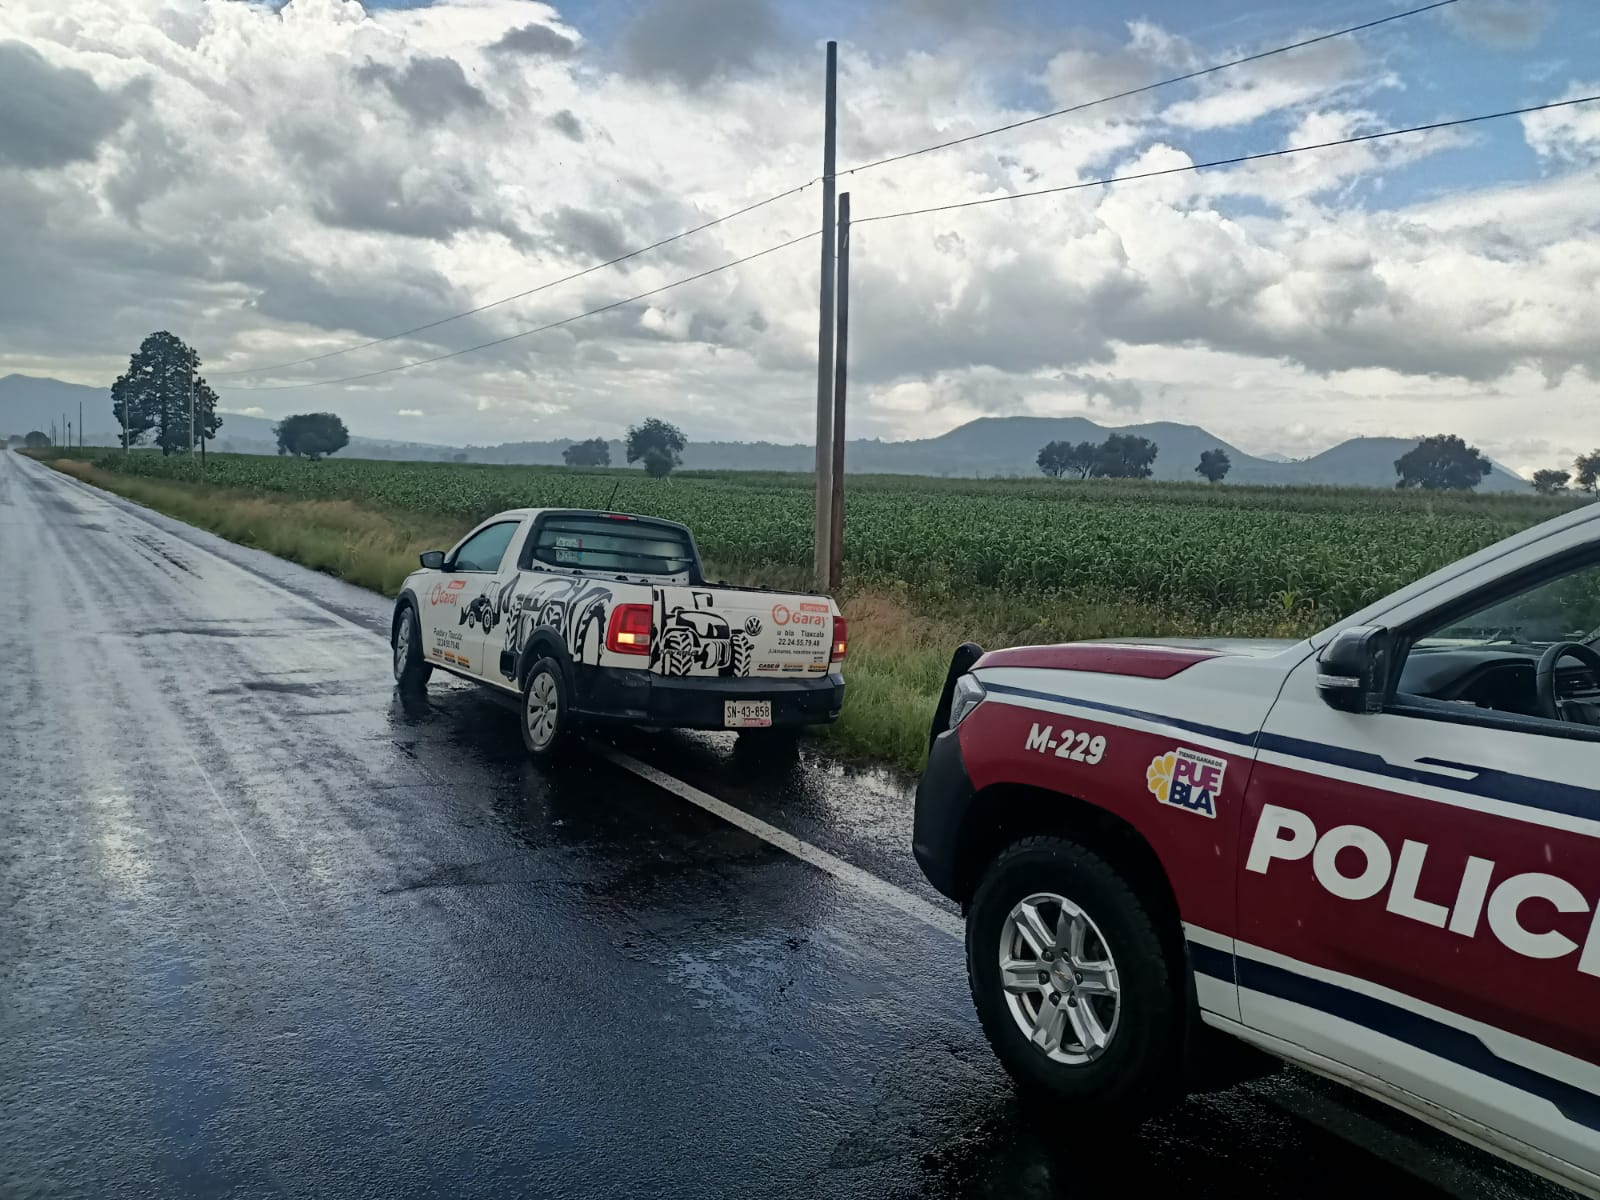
x=1353, y=670
x=432, y=559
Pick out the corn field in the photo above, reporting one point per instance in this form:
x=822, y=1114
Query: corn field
x=1194, y=549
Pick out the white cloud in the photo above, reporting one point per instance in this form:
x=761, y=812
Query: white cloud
x=1567, y=134
x=279, y=185
x=1325, y=71
x=1502, y=24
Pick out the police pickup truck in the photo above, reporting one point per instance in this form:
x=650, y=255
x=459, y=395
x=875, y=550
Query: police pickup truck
x=592, y=615
x=1372, y=853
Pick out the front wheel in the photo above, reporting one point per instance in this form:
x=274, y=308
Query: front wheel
x=1076, y=989
x=411, y=670
x=545, y=717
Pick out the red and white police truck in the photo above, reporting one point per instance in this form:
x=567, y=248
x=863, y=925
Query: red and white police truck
x=1374, y=853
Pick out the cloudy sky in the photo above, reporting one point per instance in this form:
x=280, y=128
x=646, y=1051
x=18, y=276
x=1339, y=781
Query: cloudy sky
x=273, y=181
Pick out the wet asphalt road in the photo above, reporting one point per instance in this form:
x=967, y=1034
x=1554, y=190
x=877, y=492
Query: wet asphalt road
x=269, y=930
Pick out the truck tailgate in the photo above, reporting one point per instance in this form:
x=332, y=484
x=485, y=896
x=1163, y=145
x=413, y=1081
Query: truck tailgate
x=742, y=634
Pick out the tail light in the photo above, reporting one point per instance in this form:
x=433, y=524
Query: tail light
x=629, y=629
x=841, y=639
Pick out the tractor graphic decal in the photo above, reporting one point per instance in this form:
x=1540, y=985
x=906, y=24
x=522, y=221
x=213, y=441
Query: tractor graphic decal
x=574, y=607
x=700, y=639
x=481, y=612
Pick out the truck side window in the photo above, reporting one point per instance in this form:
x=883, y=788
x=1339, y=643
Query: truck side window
x=1489, y=658
x=484, y=549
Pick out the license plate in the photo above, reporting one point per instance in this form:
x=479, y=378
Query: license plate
x=747, y=714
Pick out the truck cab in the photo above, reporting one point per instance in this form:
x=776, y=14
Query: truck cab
x=1372, y=853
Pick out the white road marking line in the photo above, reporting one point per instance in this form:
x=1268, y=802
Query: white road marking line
x=217, y=796
x=880, y=890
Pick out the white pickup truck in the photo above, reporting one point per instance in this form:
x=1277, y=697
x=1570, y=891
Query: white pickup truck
x=592, y=615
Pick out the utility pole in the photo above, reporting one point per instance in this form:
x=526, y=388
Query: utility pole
x=824, y=523
x=191, y=403
x=840, y=347
x=80, y=424
x=125, y=419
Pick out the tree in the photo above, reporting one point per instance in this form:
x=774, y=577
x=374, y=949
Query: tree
x=35, y=440
x=1079, y=460
x=154, y=394
x=1551, y=483
x=1124, y=456
x=134, y=411
x=659, y=444
x=1063, y=458
x=595, y=452
x=311, y=435
x=1441, y=463
x=1588, y=471
x=1214, y=464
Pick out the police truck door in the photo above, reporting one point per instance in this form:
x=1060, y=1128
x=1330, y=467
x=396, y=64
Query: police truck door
x=1418, y=897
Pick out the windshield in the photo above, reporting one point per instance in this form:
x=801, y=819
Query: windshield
x=617, y=545
x=1564, y=609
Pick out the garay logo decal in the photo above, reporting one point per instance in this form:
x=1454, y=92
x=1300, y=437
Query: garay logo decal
x=447, y=593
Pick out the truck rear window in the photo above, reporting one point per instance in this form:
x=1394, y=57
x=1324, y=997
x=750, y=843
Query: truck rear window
x=622, y=547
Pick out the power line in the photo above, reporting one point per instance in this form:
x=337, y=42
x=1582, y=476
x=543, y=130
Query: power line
x=621, y=258
x=1150, y=87
x=914, y=212
x=422, y=362
x=1226, y=162
x=298, y=362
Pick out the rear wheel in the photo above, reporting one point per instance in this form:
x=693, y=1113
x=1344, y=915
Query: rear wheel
x=545, y=719
x=411, y=670
x=1076, y=989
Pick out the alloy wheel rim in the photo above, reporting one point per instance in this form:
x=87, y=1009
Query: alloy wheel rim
x=542, y=710
x=1060, y=979
x=402, y=644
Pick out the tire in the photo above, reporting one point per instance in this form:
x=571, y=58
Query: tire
x=411, y=670
x=1138, y=1069
x=545, y=712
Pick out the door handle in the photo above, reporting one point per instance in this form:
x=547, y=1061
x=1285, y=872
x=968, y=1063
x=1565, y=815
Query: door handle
x=1440, y=766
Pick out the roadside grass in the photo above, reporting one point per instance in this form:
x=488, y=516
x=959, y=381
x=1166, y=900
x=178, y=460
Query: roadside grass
x=363, y=545
x=901, y=636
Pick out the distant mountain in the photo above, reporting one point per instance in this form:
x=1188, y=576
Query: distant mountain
x=1369, y=462
x=1010, y=446
x=28, y=402
x=985, y=447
